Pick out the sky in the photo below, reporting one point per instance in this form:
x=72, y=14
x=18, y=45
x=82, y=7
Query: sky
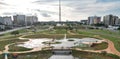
x=72, y=10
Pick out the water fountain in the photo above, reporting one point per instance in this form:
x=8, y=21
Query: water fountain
x=65, y=36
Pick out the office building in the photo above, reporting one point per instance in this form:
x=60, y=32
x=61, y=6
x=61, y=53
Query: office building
x=19, y=20
x=94, y=20
x=111, y=20
x=30, y=20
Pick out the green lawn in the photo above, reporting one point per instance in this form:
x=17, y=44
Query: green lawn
x=115, y=40
x=15, y=48
x=56, y=36
x=59, y=33
x=5, y=42
x=100, y=46
x=54, y=31
x=114, y=37
x=88, y=55
x=48, y=53
x=33, y=55
x=9, y=37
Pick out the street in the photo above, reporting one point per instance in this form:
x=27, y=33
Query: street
x=7, y=31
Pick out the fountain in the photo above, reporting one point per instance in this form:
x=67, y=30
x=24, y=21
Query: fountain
x=65, y=36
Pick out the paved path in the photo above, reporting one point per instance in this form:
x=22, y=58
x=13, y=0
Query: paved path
x=7, y=46
x=71, y=32
x=33, y=50
x=110, y=49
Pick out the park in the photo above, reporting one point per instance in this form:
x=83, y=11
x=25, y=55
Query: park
x=38, y=42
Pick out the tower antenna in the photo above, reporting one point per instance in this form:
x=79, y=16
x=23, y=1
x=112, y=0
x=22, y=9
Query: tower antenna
x=59, y=10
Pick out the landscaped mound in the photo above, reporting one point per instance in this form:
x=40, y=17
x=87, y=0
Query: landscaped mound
x=100, y=46
x=15, y=48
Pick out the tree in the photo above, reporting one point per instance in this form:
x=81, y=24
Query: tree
x=15, y=32
x=99, y=24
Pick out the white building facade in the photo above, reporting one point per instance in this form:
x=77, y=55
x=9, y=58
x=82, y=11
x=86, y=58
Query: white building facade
x=19, y=20
x=30, y=20
x=94, y=20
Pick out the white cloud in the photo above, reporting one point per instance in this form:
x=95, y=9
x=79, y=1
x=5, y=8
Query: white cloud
x=71, y=9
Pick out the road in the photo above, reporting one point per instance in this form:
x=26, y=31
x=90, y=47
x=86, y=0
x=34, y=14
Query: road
x=3, y=32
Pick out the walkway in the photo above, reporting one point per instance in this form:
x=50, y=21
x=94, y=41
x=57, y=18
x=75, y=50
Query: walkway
x=33, y=50
x=71, y=32
x=110, y=49
x=3, y=32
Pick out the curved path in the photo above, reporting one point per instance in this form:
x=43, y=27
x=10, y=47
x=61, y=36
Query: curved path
x=71, y=33
x=110, y=49
x=33, y=50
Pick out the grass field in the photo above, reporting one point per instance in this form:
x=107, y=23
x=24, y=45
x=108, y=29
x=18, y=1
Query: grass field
x=59, y=33
x=47, y=54
x=34, y=55
x=114, y=37
x=56, y=36
x=15, y=48
x=5, y=42
x=100, y=46
x=88, y=55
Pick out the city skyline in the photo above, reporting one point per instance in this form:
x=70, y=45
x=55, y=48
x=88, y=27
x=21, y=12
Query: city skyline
x=72, y=10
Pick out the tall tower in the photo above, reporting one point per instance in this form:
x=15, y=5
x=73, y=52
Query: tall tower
x=60, y=11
